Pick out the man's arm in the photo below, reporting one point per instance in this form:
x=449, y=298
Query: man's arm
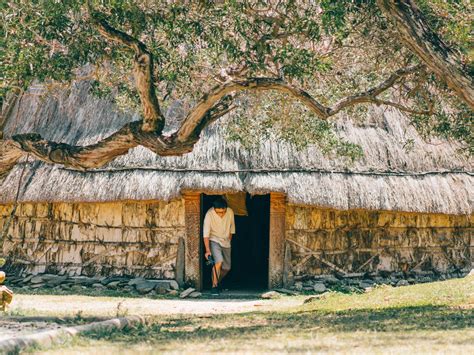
x=232, y=225
x=206, y=231
x=207, y=247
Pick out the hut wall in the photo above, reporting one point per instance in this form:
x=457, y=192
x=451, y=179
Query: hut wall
x=375, y=241
x=137, y=238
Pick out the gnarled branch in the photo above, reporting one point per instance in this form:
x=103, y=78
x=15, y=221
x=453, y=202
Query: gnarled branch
x=414, y=32
x=193, y=121
x=153, y=119
x=211, y=107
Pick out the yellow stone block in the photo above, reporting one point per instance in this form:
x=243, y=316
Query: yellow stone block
x=42, y=210
x=109, y=214
x=6, y=210
x=63, y=211
x=315, y=220
x=134, y=214
x=108, y=234
x=290, y=216
x=88, y=212
x=26, y=210
x=130, y=235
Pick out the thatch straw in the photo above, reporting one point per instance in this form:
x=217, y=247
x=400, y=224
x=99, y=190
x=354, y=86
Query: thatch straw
x=428, y=178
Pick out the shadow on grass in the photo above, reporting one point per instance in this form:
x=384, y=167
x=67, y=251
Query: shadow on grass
x=267, y=324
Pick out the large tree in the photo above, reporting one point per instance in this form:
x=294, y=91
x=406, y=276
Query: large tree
x=295, y=64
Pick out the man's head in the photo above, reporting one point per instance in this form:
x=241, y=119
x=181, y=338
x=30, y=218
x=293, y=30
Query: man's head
x=2, y=277
x=220, y=206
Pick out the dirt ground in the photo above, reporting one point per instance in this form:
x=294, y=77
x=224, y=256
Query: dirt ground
x=81, y=307
x=74, y=305
x=11, y=328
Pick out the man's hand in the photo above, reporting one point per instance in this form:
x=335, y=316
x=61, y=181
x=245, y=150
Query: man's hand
x=207, y=254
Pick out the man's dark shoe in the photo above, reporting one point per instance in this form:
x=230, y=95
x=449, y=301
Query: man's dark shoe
x=215, y=291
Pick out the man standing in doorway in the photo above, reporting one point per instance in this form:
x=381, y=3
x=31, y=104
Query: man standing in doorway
x=219, y=225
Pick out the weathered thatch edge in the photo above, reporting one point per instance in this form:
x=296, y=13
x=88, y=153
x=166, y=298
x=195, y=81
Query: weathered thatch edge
x=56, y=336
x=434, y=192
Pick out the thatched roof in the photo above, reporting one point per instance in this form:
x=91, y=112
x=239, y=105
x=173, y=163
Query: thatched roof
x=427, y=178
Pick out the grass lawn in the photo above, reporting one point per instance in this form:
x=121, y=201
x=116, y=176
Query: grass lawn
x=432, y=317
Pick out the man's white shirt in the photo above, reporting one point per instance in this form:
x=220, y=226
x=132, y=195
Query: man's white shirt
x=218, y=229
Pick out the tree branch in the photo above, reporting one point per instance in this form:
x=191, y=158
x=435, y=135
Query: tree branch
x=193, y=120
x=211, y=107
x=153, y=119
x=370, y=95
x=414, y=32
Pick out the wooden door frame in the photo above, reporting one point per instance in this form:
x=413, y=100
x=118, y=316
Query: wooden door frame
x=192, y=260
x=276, y=254
x=192, y=268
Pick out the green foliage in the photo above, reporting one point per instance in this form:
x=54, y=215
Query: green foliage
x=331, y=49
x=452, y=20
x=280, y=117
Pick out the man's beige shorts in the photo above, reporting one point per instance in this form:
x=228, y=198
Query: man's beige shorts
x=220, y=254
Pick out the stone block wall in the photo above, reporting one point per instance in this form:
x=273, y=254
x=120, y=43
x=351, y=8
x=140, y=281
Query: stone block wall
x=122, y=238
x=323, y=240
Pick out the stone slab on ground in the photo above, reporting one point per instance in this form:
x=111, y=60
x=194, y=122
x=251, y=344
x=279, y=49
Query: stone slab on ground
x=270, y=295
x=187, y=292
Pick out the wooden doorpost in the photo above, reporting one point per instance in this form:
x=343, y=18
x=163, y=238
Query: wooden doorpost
x=192, y=268
x=277, y=239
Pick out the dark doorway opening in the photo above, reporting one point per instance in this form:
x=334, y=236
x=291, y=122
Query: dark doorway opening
x=250, y=246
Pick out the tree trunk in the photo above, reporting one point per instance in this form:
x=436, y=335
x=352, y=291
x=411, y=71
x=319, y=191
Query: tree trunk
x=414, y=32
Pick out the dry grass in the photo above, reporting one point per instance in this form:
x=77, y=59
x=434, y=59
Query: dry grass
x=388, y=140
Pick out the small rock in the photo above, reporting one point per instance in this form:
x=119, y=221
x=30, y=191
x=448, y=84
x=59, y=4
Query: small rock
x=113, y=285
x=174, y=285
x=36, y=279
x=76, y=288
x=135, y=281
x=366, y=284
x=108, y=280
x=354, y=275
x=298, y=286
x=173, y=292
x=144, y=287
x=187, y=292
x=402, y=283
x=82, y=280
x=160, y=290
x=56, y=281
x=195, y=294
x=27, y=278
x=270, y=295
x=161, y=283
x=99, y=286
x=328, y=279
x=319, y=287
